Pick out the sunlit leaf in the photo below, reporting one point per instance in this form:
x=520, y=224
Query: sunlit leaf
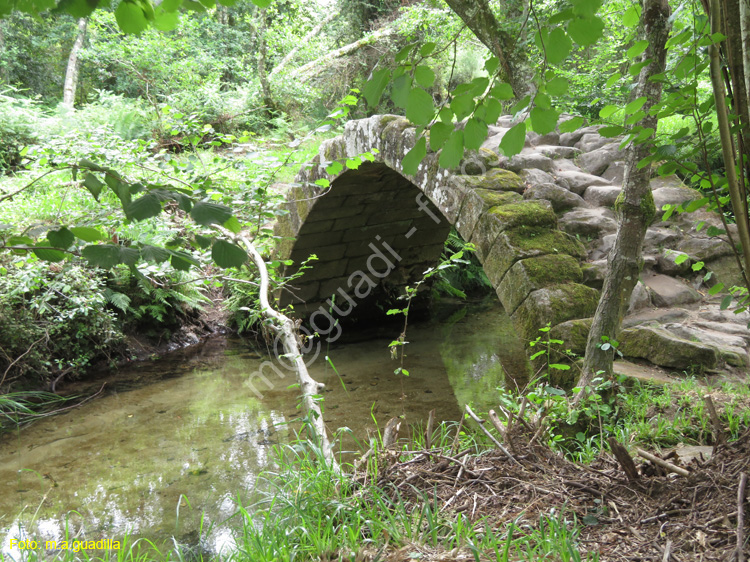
x=475, y=133
x=453, y=150
x=558, y=46
x=512, y=142
x=419, y=108
x=410, y=163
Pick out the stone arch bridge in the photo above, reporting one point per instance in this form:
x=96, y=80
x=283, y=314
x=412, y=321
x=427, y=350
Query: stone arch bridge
x=376, y=229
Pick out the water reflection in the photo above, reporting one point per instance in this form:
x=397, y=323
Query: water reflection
x=189, y=435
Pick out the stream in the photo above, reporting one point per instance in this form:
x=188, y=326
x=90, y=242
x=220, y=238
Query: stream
x=184, y=436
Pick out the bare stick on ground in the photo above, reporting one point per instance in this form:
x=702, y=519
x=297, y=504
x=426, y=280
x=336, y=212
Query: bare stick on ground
x=499, y=445
x=741, y=517
x=662, y=463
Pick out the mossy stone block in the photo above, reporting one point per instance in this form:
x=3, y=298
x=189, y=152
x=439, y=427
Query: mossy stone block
x=496, y=179
x=554, y=305
x=530, y=274
x=574, y=334
x=665, y=349
x=493, y=198
x=525, y=213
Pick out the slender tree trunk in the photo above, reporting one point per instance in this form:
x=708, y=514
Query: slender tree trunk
x=305, y=40
x=478, y=17
x=265, y=85
x=71, y=73
x=3, y=68
x=635, y=207
x=745, y=34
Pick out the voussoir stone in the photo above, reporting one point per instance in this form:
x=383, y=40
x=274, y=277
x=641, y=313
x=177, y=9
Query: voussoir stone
x=663, y=348
x=560, y=198
x=668, y=291
x=578, y=181
x=602, y=195
x=588, y=222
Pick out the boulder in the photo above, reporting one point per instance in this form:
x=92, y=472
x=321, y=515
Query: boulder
x=573, y=333
x=705, y=249
x=535, y=139
x=591, y=141
x=578, y=181
x=554, y=305
x=615, y=172
x=663, y=348
x=557, y=152
x=565, y=165
x=528, y=159
x=667, y=263
x=657, y=238
x=588, y=222
x=560, y=198
x=673, y=196
x=569, y=139
x=594, y=272
x=640, y=298
x=668, y=291
x=731, y=348
x=666, y=181
x=602, y=195
x=596, y=161
x=533, y=176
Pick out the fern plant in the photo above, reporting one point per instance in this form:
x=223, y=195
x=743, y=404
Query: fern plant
x=466, y=277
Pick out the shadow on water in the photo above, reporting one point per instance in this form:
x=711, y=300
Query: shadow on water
x=187, y=434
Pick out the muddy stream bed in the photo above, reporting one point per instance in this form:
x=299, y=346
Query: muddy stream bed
x=186, y=435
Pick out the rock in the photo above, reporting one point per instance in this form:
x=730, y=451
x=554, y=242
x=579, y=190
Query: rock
x=554, y=305
x=573, y=333
x=604, y=247
x=479, y=162
x=726, y=328
x=594, y=272
x=615, y=173
x=496, y=136
x=602, y=195
x=596, y=161
x=591, y=141
x=731, y=348
x=705, y=249
x=535, y=273
x=588, y=222
x=557, y=152
x=655, y=316
x=668, y=291
x=578, y=181
x=663, y=348
x=533, y=176
x=666, y=181
x=565, y=165
x=673, y=196
x=667, y=263
x=496, y=179
x=640, y=298
x=641, y=372
x=569, y=139
x=657, y=238
x=725, y=270
x=530, y=159
x=560, y=198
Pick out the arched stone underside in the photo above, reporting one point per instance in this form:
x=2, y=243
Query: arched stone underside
x=374, y=220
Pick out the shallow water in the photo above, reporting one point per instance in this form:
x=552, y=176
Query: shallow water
x=187, y=434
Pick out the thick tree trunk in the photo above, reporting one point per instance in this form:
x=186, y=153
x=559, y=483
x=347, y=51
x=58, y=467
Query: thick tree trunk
x=305, y=40
x=71, y=72
x=635, y=207
x=478, y=17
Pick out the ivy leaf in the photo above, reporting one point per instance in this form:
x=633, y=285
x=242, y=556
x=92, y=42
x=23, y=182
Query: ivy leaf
x=558, y=46
x=512, y=141
x=424, y=76
x=475, y=134
x=439, y=133
x=144, y=207
x=543, y=121
x=375, y=86
x=453, y=151
x=411, y=161
x=207, y=214
x=61, y=238
x=87, y=233
x=226, y=254
x=105, y=256
x=419, y=108
x=586, y=31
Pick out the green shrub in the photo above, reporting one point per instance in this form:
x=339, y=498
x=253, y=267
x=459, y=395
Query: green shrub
x=19, y=117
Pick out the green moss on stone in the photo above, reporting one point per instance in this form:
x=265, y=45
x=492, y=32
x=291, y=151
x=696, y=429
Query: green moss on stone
x=496, y=179
x=494, y=198
x=574, y=334
x=665, y=349
x=528, y=213
x=544, y=241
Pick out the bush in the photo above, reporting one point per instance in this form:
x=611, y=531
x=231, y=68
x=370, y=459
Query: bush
x=18, y=120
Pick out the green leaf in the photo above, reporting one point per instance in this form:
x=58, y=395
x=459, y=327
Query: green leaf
x=203, y=242
x=502, y=92
x=716, y=289
x=557, y=86
x=439, y=133
x=635, y=105
x=182, y=261
x=130, y=17
x=427, y=49
x=586, y=31
x=129, y=256
x=87, y=233
x=424, y=76
x=167, y=21
x=262, y=3
x=233, y=225
x=726, y=301
x=103, y=255
x=335, y=168
x=681, y=258
x=611, y=131
x=558, y=46
x=559, y=366
x=92, y=183
x=404, y=53
x=491, y=65
x=207, y=214
x=607, y=111
x=375, y=86
x=453, y=151
x=419, y=108
x=571, y=125
x=49, y=255
x=226, y=254
x=637, y=49
x=462, y=106
x=586, y=8
x=414, y=157
x=144, y=207
x=697, y=266
x=543, y=121
x=475, y=133
x=632, y=16
x=512, y=141
x=612, y=80
x=154, y=254
x=400, y=91
x=61, y=238
x=493, y=111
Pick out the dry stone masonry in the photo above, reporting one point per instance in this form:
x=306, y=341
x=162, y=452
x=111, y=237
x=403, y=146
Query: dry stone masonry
x=542, y=223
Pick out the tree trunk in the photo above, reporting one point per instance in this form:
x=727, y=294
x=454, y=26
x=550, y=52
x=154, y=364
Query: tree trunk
x=478, y=17
x=71, y=72
x=745, y=30
x=635, y=207
x=305, y=40
x=265, y=85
